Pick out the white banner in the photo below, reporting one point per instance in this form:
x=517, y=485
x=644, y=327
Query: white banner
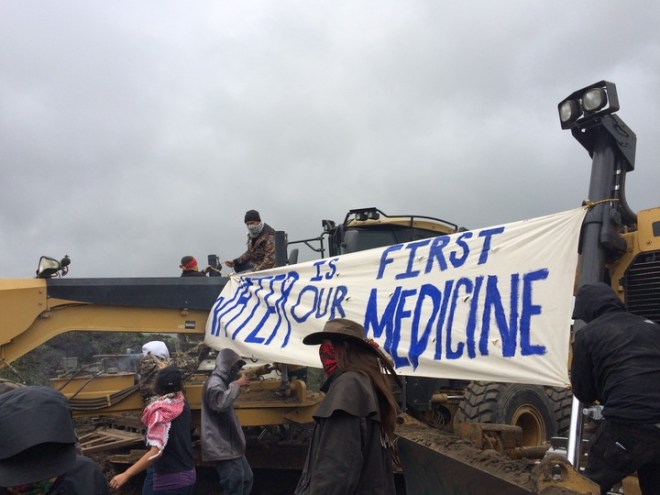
x=493, y=304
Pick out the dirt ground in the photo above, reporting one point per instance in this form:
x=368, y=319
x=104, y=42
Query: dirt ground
x=518, y=471
x=282, y=481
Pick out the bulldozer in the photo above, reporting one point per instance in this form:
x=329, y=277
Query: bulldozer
x=500, y=422
x=617, y=246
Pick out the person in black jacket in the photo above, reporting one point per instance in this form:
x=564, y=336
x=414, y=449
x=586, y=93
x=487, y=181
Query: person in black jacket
x=38, y=452
x=616, y=362
x=167, y=417
x=190, y=268
x=351, y=448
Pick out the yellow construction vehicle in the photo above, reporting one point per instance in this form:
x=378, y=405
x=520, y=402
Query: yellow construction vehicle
x=33, y=311
x=617, y=246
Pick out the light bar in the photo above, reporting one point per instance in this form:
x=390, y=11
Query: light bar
x=587, y=104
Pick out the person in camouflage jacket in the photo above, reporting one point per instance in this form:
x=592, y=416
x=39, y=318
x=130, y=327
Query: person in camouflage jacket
x=260, y=245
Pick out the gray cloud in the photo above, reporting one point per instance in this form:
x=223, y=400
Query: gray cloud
x=132, y=134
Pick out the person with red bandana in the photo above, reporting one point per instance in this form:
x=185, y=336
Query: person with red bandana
x=351, y=448
x=190, y=268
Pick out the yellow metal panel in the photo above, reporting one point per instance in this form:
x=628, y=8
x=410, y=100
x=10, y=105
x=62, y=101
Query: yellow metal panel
x=638, y=241
x=645, y=238
x=94, y=318
x=426, y=224
x=91, y=385
x=21, y=301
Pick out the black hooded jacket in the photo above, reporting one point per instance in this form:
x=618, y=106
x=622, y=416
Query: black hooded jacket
x=616, y=358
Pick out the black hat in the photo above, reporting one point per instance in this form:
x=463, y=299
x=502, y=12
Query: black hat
x=38, y=438
x=252, y=216
x=341, y=329
x=169, y=380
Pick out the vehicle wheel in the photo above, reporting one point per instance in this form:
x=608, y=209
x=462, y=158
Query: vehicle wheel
x=527, y=406
x=562, y=402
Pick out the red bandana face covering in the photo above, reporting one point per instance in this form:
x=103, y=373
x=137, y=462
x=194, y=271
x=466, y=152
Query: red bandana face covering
x=37, y=488
x=328, y=358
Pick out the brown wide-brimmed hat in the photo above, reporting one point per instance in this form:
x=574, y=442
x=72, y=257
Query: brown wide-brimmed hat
x=343, y=330
x=340, y=329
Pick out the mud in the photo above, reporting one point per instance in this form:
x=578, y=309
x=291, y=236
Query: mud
x=283, y=479
x=517, y=471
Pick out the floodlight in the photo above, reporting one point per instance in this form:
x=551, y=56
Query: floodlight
x=594, y=99
x=569, y=111
x=50, y=266
x=582, y=107
x=47, y=267
x=373, y=215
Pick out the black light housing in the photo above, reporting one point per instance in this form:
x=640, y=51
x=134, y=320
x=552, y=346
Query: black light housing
x=328, y=225
x=363, y=214
x=587, y=104
x=50, y=266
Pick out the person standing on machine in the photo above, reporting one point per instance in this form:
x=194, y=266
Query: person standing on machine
x=260, y=252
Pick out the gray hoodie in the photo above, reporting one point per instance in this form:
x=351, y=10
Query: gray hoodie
x=222, y=435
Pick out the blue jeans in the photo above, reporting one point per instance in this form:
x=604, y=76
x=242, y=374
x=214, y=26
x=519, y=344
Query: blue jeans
x=148, y=485
x=235, y=476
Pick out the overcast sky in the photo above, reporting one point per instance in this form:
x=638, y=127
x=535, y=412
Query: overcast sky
x=133, y=132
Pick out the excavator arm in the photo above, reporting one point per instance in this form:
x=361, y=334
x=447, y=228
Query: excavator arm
x=32, y=311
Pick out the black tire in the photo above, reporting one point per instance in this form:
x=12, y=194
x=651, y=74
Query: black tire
x=527, y=406
x=562, y=402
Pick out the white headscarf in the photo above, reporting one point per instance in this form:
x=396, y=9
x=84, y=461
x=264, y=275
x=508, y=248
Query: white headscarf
x=156, y=348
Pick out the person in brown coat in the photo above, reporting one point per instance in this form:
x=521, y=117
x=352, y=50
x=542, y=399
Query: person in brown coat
x=260, y=245
x=351, y=448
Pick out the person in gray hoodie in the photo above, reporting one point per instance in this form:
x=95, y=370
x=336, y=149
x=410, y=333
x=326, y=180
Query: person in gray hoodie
x=223, y=441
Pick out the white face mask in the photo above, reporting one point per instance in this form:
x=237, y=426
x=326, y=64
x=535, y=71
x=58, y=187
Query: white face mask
x=255, y=229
